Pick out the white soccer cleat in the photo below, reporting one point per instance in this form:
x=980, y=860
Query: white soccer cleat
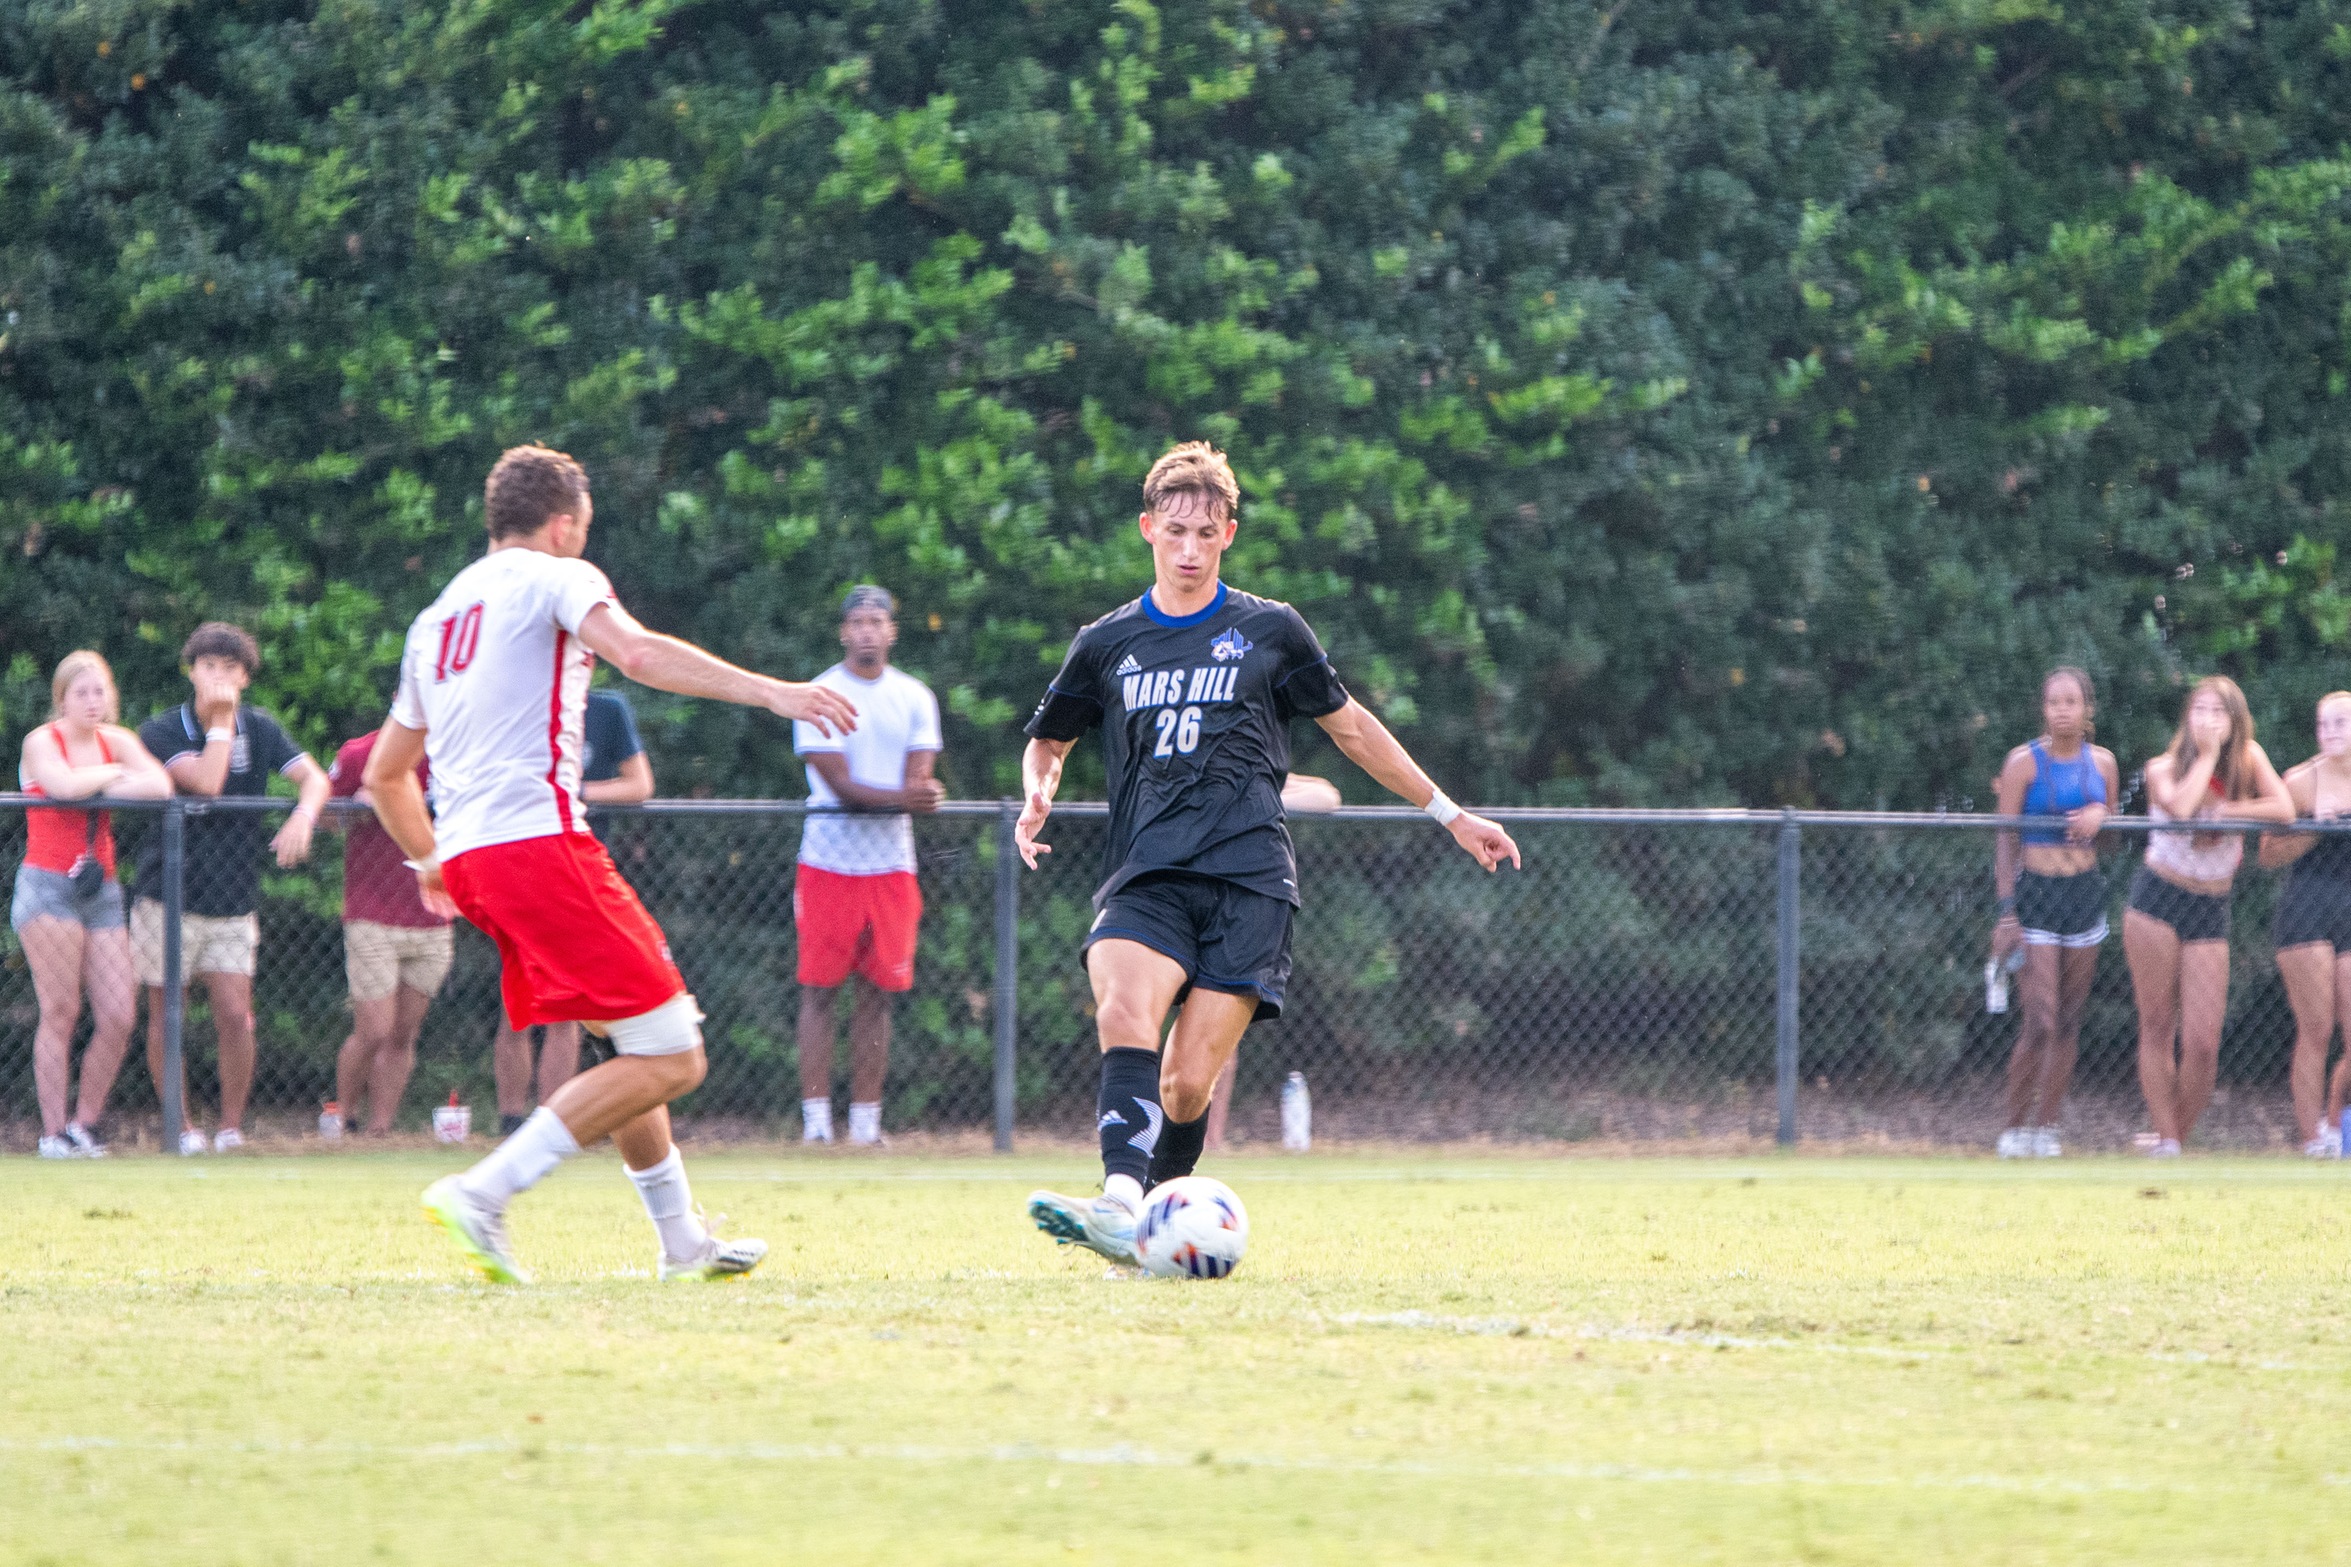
x=84, y=1146
x=480, y=1230
x=2045, y=1143
x=719, y=1260
x=227, y=1140
x=1099, y=1224
x=194, y=1142
x=2015, y=1143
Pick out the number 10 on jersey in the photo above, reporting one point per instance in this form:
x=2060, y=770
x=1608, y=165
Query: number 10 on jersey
x=460, y=636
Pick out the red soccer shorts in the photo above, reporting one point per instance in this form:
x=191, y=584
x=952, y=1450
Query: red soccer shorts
x=574, y=942
x=857, y=925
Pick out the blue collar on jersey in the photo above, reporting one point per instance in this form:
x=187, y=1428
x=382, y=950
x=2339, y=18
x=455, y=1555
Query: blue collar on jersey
x=1151, y=608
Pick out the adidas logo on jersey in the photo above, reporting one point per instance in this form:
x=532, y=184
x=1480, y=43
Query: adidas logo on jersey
x=1128, y=666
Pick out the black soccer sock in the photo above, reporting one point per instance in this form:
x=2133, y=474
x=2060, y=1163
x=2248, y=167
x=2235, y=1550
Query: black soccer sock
x=1129, y=1110
x=1179, y=1150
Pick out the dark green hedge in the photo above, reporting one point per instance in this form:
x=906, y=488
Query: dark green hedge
x=1690, y=401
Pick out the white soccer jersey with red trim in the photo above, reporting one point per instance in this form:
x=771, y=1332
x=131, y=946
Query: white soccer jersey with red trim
x=495, y=675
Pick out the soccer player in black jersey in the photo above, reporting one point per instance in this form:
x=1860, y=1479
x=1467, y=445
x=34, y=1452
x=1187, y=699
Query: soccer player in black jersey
x=1194, y=685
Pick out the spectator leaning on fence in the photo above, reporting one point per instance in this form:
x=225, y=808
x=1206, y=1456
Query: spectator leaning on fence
x=2175, y=933
x=396, y=952
x=2312, y=926
x=67, y=911
x=614, y=770
x=214, y=745
x=2052, y=902
x=855, y=898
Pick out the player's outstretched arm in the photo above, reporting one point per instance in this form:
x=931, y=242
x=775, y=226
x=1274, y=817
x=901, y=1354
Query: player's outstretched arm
x=668, y=664
x=1040, y=777
x=396, y=793
x=1367, y=743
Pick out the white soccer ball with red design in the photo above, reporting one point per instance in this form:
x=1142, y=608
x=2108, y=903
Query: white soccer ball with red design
x=1191, y=1228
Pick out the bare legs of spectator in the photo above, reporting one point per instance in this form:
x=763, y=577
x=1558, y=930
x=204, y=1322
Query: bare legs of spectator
x=2319, y=986
x=1220, y=1103
x=510, y=1067
x=232, y=1027
x=2183, y=994
x=68, y=959
x=870, y=1011
x=376, y=1061
x=2052, y=993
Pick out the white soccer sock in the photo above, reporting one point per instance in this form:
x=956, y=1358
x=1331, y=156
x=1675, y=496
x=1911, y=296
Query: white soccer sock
x=816, y=1120
x=669, y=1203
x=865, y=1122
x=522, y=1161
x=1124, y=1190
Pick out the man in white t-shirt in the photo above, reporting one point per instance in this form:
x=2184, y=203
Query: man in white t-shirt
x=855, y=898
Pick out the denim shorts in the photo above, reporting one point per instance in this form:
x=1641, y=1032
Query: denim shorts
x=44, y=894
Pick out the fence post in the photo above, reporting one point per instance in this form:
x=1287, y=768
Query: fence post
x=1007, y=967
x=1790, y=859
x=175, y=864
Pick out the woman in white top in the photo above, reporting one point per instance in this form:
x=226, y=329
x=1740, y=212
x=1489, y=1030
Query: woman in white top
x=2176, y=932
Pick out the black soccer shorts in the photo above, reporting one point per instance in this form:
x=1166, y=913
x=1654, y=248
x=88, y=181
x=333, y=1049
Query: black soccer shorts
x=1226, y=937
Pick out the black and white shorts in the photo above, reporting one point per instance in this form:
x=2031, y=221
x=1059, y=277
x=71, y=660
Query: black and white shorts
x=2062, y=911
x=1226, y=937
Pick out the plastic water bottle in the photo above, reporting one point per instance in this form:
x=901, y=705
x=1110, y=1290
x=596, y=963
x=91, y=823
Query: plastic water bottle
x=330, y=1121
x=1995, y=986
x=1297, y=1114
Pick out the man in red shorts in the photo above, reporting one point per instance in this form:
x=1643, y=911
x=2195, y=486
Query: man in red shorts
x=493, y=690
x=854, y=895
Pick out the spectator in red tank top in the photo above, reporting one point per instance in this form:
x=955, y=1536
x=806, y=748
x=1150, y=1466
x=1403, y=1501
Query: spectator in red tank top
x=396, y=952
x=69, y=920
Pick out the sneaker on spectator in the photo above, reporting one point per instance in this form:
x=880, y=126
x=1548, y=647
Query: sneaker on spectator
x=84, y=1144
x=193, y=1142
x=56, y=1148
x=2331, y=1134
x=2165, y=1148
x=227, y=1140
x=2015, y=1143
x=2046, y=1144
x=2317, y=1148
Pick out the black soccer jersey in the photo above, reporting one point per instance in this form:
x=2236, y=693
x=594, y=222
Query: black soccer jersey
x=1195, y=712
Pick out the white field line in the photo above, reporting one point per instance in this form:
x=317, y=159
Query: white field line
x=1123, y=1456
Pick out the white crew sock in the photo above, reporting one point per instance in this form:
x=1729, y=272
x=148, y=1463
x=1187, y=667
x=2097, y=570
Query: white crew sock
x=865, y=1122
x=816, y=1120
x=669, y=1203
x=521, y=1162
x=1124, y=1190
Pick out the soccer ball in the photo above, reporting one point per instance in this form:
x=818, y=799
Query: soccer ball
x=1191, y=1228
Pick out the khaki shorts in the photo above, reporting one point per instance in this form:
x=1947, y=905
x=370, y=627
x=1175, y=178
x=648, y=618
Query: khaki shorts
x=379, y=959
x=209, y=944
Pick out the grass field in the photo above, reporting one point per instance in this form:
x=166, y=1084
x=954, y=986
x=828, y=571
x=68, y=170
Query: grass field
x=1483, y=1359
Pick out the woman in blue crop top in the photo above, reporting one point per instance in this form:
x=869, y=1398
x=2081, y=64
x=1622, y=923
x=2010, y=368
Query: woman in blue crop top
x=2052, y=902
x=2312, y=926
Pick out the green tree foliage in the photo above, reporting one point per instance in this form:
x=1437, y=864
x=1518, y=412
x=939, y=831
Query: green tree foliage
x=1698, y=401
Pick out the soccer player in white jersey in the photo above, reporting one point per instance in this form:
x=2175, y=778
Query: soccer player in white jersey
x=493, y=690
x=1193, y=685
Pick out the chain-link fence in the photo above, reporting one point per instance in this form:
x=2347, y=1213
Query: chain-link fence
x=1631, y=983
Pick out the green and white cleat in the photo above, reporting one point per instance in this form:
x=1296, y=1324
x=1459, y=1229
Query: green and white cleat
x=481, y=1232
x=719, y=1260
x=1096, y=1223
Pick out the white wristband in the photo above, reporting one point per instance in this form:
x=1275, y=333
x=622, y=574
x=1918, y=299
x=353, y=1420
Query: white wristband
x=1441, y=809
x=211, y=735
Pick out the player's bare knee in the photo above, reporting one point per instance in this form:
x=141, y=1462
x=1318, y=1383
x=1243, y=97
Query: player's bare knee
x=1184, y=1093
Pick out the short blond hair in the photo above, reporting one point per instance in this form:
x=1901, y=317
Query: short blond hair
x=70, y=669
x=1194, y=468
